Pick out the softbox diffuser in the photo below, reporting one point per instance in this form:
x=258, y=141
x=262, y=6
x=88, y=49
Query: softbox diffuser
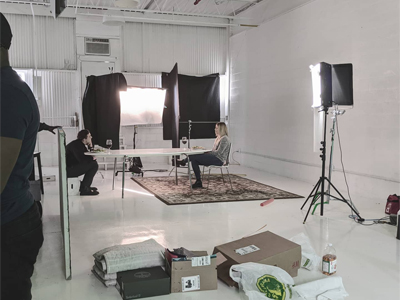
x=142, y=106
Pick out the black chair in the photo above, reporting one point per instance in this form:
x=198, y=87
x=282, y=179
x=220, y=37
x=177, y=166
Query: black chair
x=225, y=165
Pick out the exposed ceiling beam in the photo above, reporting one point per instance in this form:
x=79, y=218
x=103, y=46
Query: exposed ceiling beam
x=244, y=7
x=154, y=12
x=166, y=19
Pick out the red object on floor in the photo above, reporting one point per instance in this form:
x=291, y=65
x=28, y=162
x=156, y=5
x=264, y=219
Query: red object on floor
x=267, y=202
x=197, y=2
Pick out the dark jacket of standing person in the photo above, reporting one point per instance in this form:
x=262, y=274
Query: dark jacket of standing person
x=80, y=164
x=21, y=224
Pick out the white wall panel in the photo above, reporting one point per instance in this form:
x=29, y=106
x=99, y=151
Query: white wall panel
x=133, y=45
x=271, y=118
x=58, y=102
x=59, y=38
x=143, y=80
x=153, y=48
x=21, y=50
x=59, y=98
x=51, y=41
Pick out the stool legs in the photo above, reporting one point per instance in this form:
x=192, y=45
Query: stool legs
x=40, y=173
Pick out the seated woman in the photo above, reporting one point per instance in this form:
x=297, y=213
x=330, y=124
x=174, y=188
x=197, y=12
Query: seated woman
x=216, y=157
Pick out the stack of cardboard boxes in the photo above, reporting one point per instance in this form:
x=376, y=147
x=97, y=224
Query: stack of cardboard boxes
x=199, y=273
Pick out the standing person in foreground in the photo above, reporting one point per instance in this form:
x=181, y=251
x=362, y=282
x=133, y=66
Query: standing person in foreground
x=216, y=157
x=78, y=163
x=21, y=225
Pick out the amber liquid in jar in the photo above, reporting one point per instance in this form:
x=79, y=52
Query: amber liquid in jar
x=329, y=264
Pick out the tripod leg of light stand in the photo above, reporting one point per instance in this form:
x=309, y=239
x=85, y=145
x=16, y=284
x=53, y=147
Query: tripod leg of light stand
x=360, y=219
x=316, y=186
x=314, y=199
x=316, y=204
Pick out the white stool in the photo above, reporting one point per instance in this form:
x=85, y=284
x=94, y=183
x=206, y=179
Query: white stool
x=74, y=185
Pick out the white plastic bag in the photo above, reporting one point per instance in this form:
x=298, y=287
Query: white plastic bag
x=327, y=288
x=309, y=259
x=261, y=282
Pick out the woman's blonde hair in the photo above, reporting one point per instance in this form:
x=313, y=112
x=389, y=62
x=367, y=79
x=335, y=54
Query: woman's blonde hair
x=223, y=129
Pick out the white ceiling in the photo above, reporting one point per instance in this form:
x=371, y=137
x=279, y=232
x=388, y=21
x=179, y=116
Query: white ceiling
x=224, y=13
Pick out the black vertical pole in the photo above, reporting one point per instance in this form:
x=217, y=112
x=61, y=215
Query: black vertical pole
x=323, y=149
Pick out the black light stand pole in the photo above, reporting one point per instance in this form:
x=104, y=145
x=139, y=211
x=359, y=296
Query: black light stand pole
x=323, y=156
x=321, y=182
x=190, y=128
x=134, y=136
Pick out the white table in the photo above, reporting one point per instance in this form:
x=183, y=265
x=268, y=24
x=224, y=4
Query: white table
x=124, y=154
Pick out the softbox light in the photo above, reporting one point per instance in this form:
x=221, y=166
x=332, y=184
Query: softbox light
x=142, y=106
x=342, y=84
x=321, y=75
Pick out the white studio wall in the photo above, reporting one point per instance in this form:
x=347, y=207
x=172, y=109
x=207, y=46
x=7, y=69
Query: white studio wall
x=58, y=104
x=271, y=93
x=42, y=42
x=150, y=48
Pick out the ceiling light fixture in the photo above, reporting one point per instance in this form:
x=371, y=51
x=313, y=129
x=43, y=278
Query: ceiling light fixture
x=127, y=3
x=115, y=18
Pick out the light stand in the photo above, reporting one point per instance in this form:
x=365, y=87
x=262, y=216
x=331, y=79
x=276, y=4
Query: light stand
x=315, y=195
x=190, y=128
x=132, y=160
x=335, y=113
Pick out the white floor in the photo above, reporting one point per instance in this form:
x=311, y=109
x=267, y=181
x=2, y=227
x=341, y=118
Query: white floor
x=368, y=256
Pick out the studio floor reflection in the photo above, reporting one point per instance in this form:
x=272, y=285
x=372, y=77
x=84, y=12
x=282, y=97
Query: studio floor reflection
x=368, y=256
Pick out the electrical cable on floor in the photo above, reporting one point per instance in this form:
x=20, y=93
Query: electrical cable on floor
x=234, y=160
x=353, y=216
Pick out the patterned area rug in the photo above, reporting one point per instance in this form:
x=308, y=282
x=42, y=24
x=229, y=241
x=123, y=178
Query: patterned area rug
x=244, y=189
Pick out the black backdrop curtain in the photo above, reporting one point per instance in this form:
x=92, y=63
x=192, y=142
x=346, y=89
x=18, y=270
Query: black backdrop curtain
x=101, y=107
x=199, y=101
x=171, y=112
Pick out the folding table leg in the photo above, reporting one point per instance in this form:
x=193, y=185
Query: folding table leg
x=176, y=172
x=123, y=175
x=190, y=173
x=115, y=169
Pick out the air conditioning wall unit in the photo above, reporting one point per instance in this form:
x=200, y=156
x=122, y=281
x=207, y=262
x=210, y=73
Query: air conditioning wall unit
x=96, y=46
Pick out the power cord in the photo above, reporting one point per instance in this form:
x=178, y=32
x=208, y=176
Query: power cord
x=353, y=216
x=233, y=159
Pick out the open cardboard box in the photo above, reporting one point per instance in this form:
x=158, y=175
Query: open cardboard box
x=186, y=276
x=264, y=248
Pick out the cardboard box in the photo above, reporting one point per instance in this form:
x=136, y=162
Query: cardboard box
x=264, y=248
x=198, y=274
x=142, y=283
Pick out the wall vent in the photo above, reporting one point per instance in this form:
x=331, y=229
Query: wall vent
x=95, y=46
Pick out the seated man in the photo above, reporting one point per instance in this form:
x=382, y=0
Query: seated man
x=78, y=163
